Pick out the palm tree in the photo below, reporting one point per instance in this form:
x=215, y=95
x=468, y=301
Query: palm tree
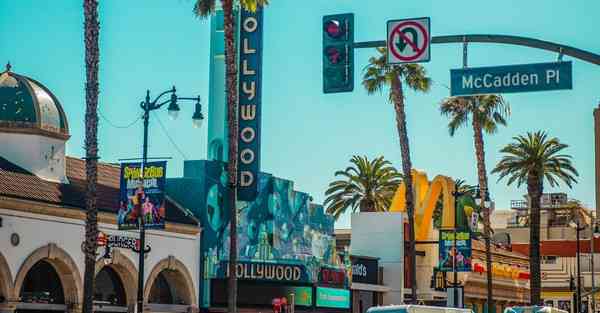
x=378, y=75
x=529, y=160
x=486, y=113
x=366, y=185
x=91, y=28
x=205, y=8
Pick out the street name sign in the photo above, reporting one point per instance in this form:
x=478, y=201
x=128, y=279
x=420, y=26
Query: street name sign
x=511, y=78
x=408, y=40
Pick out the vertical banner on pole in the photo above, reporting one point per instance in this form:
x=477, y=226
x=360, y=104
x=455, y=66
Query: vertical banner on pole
x=461, y=253
x=146, y=198
x=250, y=93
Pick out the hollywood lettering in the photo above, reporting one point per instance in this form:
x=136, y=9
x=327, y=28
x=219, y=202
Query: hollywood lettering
x=263, y=271
x=250, y=101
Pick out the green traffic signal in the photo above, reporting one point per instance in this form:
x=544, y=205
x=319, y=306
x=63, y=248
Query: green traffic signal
x=338, y=54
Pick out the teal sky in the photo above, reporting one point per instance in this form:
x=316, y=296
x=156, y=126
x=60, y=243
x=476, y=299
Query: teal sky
x=307, y=135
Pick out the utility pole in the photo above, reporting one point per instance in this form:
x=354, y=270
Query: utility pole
x=597, y=156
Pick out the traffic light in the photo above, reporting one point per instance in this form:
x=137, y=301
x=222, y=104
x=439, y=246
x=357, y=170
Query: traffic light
x=338, y=53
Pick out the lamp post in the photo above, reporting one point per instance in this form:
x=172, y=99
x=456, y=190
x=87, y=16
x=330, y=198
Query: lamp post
x=575, y=224
x=595, y=234
x=148, y=106
x=455, y=194
x=486, y=205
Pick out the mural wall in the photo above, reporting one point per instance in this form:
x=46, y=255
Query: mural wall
x=283, y=236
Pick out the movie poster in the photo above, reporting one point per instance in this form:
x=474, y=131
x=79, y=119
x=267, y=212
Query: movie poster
x=142, y=202
x=461, y=253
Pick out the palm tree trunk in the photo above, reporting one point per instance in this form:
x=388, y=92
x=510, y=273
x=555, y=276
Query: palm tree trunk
x=482, y=177
x=92, y=52
x=398, y=99
x=232, y=129
x=534, y=191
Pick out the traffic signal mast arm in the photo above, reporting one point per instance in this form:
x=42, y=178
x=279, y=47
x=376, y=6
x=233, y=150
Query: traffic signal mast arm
x=503, y=39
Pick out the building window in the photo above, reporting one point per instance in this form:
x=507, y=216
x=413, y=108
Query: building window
x=549, y=259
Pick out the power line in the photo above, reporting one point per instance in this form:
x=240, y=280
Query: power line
x=117, y=126
x=169, y=136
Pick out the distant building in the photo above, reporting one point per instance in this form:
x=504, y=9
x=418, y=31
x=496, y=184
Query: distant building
x=557, y=246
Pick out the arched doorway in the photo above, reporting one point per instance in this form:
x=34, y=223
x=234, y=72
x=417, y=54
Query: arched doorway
x=170, y=287
x=5, y=282
x=41, y=290
x=48, y=280
x=118, y=290
x=109, y=292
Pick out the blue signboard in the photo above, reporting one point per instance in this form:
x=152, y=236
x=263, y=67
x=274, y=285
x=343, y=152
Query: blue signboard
x=250, y=93
x=511, y=78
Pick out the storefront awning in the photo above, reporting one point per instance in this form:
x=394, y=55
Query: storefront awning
x=370, y=287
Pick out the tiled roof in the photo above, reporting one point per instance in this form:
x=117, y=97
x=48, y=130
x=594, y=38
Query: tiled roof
x=16, y=182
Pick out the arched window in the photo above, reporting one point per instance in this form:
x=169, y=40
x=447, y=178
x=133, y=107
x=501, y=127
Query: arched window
x=42, y=285
x=109, y=288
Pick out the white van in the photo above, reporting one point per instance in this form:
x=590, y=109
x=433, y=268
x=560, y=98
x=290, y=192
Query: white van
x=410, y=308
x=533, y=309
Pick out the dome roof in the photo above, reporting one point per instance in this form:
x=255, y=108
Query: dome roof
x=27, y=106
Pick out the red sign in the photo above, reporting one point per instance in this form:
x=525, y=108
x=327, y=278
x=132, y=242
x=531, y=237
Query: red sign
x=332, y=277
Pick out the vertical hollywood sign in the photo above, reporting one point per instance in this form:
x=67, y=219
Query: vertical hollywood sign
x=250, y=64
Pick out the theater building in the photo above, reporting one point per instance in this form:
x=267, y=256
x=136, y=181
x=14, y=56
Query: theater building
x=285, y=242
x=42, y=221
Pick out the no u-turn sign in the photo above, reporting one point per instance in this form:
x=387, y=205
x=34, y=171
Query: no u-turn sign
x=408, y=41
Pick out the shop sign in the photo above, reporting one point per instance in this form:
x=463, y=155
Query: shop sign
x=250, y=94
x=503, y=270
x=458, y=256
x=266, y=271
x=332, y=277
x=364, y=270
x=333, y=298
x=116, y=241
x=142, y=197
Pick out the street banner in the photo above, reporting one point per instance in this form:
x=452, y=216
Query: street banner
x=142, y=201
x=250, y=102
x=461, y=253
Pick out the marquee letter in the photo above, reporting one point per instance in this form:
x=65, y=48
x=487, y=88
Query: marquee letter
x=246, y=178
x=247, y=134
x=245, y=70
x=247, y=156
x=247, y=49
x=249, y=90
x=248, y=111
x=250, y=24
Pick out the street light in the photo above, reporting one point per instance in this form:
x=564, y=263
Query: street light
x=595, y=234
x=456, y=194
x=148, y=106
x=485, y=204
x=574, y=223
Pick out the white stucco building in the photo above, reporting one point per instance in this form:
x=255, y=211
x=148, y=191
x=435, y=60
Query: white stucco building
x=42, y=221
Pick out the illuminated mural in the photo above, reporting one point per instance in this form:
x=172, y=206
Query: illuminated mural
x=282, y=235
